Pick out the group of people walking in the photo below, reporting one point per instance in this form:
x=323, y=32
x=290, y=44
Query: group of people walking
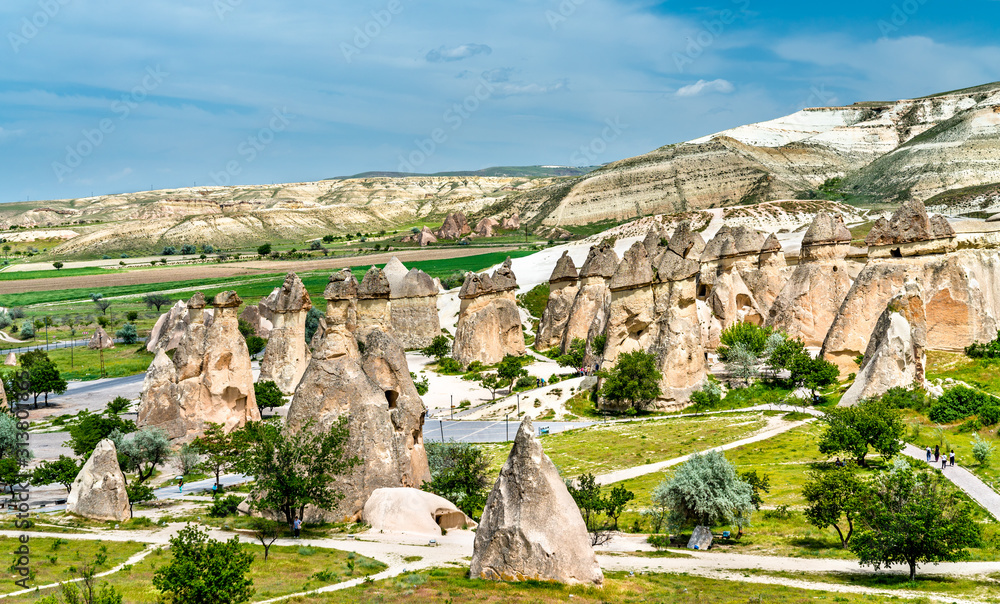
x=936, y=454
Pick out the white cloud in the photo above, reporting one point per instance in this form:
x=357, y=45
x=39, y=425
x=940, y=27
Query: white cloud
x=720, y=86
x=444, y=54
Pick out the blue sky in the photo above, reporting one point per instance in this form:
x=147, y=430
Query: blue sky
x=105, y=96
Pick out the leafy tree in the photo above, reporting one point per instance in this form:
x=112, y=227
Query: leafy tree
x=491, y=382
x=169, y=251
x=58, y=265
x=460, y=472
x=759, y=484
x=752, y=337
x=143, y=451
x=982, y=450
x=94, y=297
x=132, y=316
x=127, y=334
x=138, y=493
x=27, y=330
x=5, y=319
x=187, y=248
x=510, y=368
x=45, y=377
x=119, y=405
x=294, y=469
x=86, y=591
x=706, y=399
x=913, y=518
x=219, y=449
x=268, y=395
x=205, y=571
x=781, y=355
x=439, y=348
x=834, y=494
x=958, y=403
x=811, y=373
x=245, y=327
x=575, y=355
x=102, y=305
x=264, y=250
x=742, y=362
x=633, y=382
x=615, y=503
x=62, y=471
x=706, y=490
x=266, y=531
x=312, y=322
x=871, y=424
x=587, y=495
x=188, y=459
x=92, y=428
x=208, y=248
x=157, y=300
x=256, y=345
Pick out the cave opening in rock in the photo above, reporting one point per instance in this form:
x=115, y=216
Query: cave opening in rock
x=391, y=396
x=896, y=253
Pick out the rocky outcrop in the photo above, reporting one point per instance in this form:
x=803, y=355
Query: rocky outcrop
x=260, y=318
x=489, y=322
x=373, y=390
x=896, y=353
x=486, y=226
x=208, y=379
x=511, y=223
x=414, y=311
x=531, y=528
x=563, y=288
x=910, y=232
x=394, y=271
x=772, y=273
x=99, y=492
x=287, y=354
x=587, y=316
x=811, y=299
x=423, y=237
x=406, y=510
x=100, y=340
x=171, y=325
x=11, y=360
x=728, y=262
x=373, y=300
x=454, y=227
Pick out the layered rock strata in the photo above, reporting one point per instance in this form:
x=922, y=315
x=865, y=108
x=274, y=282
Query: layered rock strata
x=287, y=353
x=489, y=322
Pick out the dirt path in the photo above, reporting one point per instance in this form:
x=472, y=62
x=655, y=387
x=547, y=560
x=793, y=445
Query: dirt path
x=222, y=271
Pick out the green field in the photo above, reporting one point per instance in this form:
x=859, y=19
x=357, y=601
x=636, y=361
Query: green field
x=65, y=272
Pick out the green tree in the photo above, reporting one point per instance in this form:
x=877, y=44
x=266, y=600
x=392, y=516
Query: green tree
x=268, y=395
x=913, y=518
x=188, y=459
x=219, y=449
x=753, y=339
x=45, y=377
x=706, y=490
x=574, y=356
x=312, y=323
x=509, y=369
x=439, y=348
x=87, y=591
x=264, y=250
x=61, y=471
x=143, y=451
x=205, y=571
x=491, y=382
x=156, y=300
x=58, y=265
x=92, y=428
x=834, y=494
x=460, y=472
x=634, y=382
x=982, y=450
x=615, y=502
x=119, y=405
x=810, y=373
x=102, y=305
x=138, y=493
x=256, y=345
x=132, y=316
x=293, y=469
x=266, y=531
x=27, y=330
x=760, y=483
x=586, y=492
x=706, y=399
x=127, y=334
x=870, y=424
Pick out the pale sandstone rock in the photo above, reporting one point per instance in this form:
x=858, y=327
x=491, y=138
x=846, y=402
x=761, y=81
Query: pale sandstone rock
x=171, y=325
x=100, y=340
x=414, y=311
x=287, y=354
x=373, y=304
x=455, y=225
x=489, y=322
x=772, y=273
x=209, y=378
x=896, y=353
x=408, y=510
x=394, y=272
x=261, y=319
x=99, y=492
x=531, y=528
x=485, y=227
x=811, y=299
x=562, y=292
x=511, y=223
x=374, y=391
x=11, y=360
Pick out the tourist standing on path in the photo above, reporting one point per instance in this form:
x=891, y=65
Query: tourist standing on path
x=297, y=526
x=928, y=455
x=952, y=458
x=937, y=453
x=944, y=462
x=180, y=485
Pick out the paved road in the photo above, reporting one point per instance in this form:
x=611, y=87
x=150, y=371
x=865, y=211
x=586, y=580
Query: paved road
x=487, y=431
x=963, y=479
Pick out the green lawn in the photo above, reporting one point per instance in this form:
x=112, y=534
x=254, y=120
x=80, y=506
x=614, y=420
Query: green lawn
x=980, y=588
x=983, y=374
x=55, y=560
x=45, y=274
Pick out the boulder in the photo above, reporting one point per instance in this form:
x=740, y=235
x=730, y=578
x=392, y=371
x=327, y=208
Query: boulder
x=489, y=322
x=531, y=528
x=454, y=227
x=374, y=391
x=100, y=340
x=511, y=223
x=485, y=227
x=3, y=396
x=99, y=492
x=701, y=538
x=896, y=353
x=209, y=378
x=414, y=311
x=553, y=233
x=287, y=354
x=11, y=360
x=407, y=510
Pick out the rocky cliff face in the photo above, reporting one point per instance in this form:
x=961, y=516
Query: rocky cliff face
x=373, y=390
x=287, y=354
x=414, y=311
x=208, y=380
x=489, y=322
x=811, y=299
x=587, y=300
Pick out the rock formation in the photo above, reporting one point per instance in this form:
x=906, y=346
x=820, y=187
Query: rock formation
x=727, y=261
x=373, y=304
x=587, y=316
x=100, y=340
x=454, y=227
x=287, y=355
x=423, y=237
x=258, y=315
x=485, y=227
x=511, y=223
x=170, y=327
x=810, y=300
x=910, y=232
x=772, y=273
x=563, y=287
x=208, y=379
x=99, y=492
x=896, y=349
x=394, y=271
x=413, y=311
x=407, y=510
x=373, y=390
x=489, y=322
x=531, y=528
x=11, y=360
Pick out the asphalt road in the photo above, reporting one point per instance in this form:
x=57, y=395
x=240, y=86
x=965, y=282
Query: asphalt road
x=487, y=431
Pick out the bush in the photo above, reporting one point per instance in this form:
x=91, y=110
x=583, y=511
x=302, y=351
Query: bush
x=989, y=414
x=906, y=398
x=187, y=248
x=128, y=334
x=132, y=316
x=989, y=350
x=421, y=384
x=982, y=450
x=659, y=541
x=169, y=251
x=312, y=323
x=959, y=403
x=268, y=395
x=225, y=506
x=752, y=337
x=525, y=381
x=27, y=330
x=256, y=345
x=17, y=313
x=5, y=319
x=449, y=365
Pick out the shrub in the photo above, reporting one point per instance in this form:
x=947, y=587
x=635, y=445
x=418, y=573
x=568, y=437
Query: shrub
x=989, y=414
x=659, y=541
x=752, y=337
x=907, y=398
x=128, y=334
x=449, y=365
x=132, y=316
x=525, y=381
x=5, y=320
x=169, y=251
x=256, y=345
x=225, y=506
x=187, y=248
x=422, y=385
x=27, y=330
x=958, y=403
x=982, y=450
x=989, y=350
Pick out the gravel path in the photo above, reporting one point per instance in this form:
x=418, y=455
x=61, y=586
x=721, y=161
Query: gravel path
x=963, y=479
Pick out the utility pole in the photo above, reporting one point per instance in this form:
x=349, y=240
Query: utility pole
x=441, y=425
x=453, y=407
x=506, y=420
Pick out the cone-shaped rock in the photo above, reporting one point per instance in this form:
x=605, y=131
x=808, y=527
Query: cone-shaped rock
x=99, y=492
x=287, y=353
x=100, y=340
x=489, y=322
x=562, y=292
x=531, y=528
x=394, y=272
x=11, y=360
